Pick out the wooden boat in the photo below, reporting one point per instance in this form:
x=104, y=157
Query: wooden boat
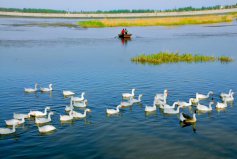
x=127, y=36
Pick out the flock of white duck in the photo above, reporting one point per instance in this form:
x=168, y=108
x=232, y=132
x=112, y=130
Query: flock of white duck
x=81, y=102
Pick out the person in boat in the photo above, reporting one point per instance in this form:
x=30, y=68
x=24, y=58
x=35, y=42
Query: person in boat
x=126, y=32
x=123, y=31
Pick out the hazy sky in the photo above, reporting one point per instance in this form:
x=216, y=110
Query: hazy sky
x=85, y=5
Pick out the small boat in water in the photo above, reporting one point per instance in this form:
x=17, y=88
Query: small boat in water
x=127, y=36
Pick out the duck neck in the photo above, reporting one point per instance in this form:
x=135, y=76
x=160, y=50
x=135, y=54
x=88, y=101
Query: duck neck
x=194, y=117
x=50, y=87
x=178, y=109
x=139, y=98
x=82, y=96
x=14, y=128
x=49, y=116
x=117, y=108
x=45, y=111
x=210, y=106
x=23, y=120
x=133, y=92
x=35, y=86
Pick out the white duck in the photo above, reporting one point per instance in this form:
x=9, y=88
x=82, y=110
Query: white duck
x=14, y=121
x=160, y=102
x=172, y=110
x=126, y=104
x=128, y=95
x=221, y=105
x=79, y=99
x=66, y=117
x=229, y=98
x=44, y=120
x=188, y=119
x=185, y=104
x=136, y=100
x=167, y=106
x=5, y=131
x=80, y=115
x=20, y=116
x=31, y=90
x=47, y=89
x=150, y=108
x=113, y=111
x=202, y=96
x=204, y=108
x=68, y=93
x=162, y=96
x=223, y=95
x=46, y=128
x=39, y=113
x=69, y=107
x=80, y=104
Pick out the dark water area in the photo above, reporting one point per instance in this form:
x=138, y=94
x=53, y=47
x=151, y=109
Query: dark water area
x=97, y=62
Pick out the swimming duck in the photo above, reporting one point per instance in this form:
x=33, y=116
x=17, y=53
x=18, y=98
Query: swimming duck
x=229, y=98
x=162, y=96
x=150, y=108
x=172, y=110
x=223, y=95
x=128, y=95
x=69, y=107
x=126, y=104
x=221, y=105
x=44, y=120
x=31, y=90
x=202, y=96
x=204, y=108
x=80, y=115
x=185, y=104
x=80, y=104
x=133, y=101
x=113, y=111
x=39, y=113
x=188, y=119
x=167, y=106
x=6, y=131
x=20, y=116
x=47, y=89
x=46, y=128
x=79, y=99
x=68, y=93
x=14, y=121
x=66, y=117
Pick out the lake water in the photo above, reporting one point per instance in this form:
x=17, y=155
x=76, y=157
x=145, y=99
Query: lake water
x=95, y=61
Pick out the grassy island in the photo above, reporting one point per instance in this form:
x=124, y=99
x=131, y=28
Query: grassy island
x=175, y=57
x=164, y=21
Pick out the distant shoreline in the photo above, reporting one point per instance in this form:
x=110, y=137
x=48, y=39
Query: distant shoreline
x=118, y=15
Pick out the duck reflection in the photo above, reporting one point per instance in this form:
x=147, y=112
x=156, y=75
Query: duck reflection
x=193, y=125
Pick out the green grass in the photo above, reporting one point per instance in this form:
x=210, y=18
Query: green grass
x=91, y=24
x=175, y=57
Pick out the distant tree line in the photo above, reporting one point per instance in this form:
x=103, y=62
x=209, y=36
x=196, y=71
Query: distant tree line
x=34, y=10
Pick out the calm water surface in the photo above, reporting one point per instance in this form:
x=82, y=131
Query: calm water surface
x=95, y=61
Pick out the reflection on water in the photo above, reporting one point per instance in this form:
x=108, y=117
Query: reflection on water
x=124, y=41
x=193, y=125
x=92, y=60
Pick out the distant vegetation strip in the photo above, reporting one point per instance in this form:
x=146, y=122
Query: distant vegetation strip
x=175, y=57
x=189, y=8
x=167, y=21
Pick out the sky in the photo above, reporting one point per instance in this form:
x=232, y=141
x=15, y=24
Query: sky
x=92, y=5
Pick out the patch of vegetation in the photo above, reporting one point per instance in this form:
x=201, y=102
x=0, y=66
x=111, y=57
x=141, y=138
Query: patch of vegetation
x=91, y=24
x=167, y=21
x=175, y=57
